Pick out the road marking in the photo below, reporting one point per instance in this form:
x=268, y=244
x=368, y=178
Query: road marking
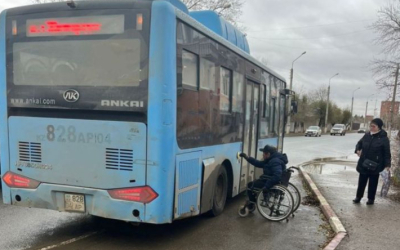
x=70, y=241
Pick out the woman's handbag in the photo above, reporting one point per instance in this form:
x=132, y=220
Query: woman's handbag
x=370, y=165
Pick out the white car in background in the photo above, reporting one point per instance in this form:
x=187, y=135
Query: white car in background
x=313, y=131
x=339, y=129
x=362, y=131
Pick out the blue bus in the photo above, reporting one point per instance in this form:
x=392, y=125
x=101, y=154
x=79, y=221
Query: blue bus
x=130, y=110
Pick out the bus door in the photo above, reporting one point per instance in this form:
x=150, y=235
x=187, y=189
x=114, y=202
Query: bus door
x=250, y=132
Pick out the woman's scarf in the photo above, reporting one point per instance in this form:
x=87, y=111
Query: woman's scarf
x=374, y=133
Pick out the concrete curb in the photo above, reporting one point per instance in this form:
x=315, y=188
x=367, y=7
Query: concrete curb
x=303, y=134
x=333, y=219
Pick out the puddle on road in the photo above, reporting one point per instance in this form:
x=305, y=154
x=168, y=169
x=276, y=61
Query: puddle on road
x=329, y=165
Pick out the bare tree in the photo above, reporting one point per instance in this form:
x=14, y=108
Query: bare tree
x=312, y=109
x=384, y=72
x=387, y=29
x=319, y=94
x=228, y=9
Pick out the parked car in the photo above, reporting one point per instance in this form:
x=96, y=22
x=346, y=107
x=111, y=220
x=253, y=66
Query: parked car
x=362, y=131
x=313, y=131
x=339, y=129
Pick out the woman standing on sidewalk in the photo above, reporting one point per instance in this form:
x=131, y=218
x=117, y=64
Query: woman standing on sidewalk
x=374, y=152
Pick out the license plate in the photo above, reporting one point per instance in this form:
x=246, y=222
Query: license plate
x=74, y=202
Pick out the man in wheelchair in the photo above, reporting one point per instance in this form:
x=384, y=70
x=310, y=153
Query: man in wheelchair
x=273, y=165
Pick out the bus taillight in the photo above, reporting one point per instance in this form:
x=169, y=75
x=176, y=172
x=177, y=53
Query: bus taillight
x=138, y=194
x=17, y=181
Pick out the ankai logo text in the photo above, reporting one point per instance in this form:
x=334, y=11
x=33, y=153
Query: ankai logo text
x=121, y=103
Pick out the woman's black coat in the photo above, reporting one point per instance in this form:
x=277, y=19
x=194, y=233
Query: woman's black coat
x=375, y=148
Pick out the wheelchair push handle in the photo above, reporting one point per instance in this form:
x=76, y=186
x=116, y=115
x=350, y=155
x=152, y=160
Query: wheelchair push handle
x=291, y=169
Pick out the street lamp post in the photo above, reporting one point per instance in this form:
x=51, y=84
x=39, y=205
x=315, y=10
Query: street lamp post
x=393, y=100
x=352, y=102
x=366, y=112
x=327, y=104
x=290, y=99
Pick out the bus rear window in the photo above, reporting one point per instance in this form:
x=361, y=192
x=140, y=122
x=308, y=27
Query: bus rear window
x=109, y=62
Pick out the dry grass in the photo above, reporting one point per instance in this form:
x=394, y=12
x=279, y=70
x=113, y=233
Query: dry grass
x=310, y=199
x=325, y=228
x=394, y=194
x=395, y=169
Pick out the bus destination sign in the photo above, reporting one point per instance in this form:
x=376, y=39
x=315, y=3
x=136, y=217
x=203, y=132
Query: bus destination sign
x=75, y=26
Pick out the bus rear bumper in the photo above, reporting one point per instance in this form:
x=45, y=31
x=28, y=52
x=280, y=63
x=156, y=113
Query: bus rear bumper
x=97, y=202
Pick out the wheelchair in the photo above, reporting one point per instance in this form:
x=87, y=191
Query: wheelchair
x=280, y=202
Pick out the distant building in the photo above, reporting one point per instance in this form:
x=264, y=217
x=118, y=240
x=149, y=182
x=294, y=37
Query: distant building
x=360, y=122
x=369, y=118
x=386, y=108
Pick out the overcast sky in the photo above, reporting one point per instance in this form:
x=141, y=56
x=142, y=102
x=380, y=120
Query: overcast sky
x=334, y=33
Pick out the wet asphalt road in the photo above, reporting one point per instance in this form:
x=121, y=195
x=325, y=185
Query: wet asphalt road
x=24, y=228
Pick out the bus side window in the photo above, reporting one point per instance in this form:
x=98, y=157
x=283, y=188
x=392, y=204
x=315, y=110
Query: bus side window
x=238, y=102
x=268, y=100
x=190, y=70
x=188, y=126
x=274, y=106
x=207, y=74
x=262, y=101
x=225, y=90
x=273, y=116
x=207, y=101
x=264, y=123
x=276, y=111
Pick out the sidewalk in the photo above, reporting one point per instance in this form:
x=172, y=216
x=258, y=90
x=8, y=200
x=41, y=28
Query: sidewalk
x=368, y=227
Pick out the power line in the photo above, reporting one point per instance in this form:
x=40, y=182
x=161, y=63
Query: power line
x=312, y=26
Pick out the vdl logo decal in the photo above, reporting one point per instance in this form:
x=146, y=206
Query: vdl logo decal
x=71, y=95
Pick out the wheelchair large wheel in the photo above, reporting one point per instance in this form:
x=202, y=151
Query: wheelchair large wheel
x=277, y=204
x=296, y=196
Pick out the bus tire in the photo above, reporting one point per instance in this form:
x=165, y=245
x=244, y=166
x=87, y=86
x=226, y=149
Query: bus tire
x=220, y=192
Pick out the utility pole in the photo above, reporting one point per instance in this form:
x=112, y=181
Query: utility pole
x=366, y=112
x=327, y=110
x=352, y=102
x=365, y=117
x=393, y=100
x=290, y=96
x=327, y=104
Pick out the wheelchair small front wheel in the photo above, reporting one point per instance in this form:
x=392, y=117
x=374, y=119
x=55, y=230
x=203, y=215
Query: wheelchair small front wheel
x=277, y=204
x=243, y=211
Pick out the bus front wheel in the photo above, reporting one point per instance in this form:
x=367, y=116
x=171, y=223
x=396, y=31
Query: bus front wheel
x=220, y=192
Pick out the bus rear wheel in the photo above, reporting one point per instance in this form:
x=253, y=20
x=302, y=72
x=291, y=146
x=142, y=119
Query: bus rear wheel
x=220, y=192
